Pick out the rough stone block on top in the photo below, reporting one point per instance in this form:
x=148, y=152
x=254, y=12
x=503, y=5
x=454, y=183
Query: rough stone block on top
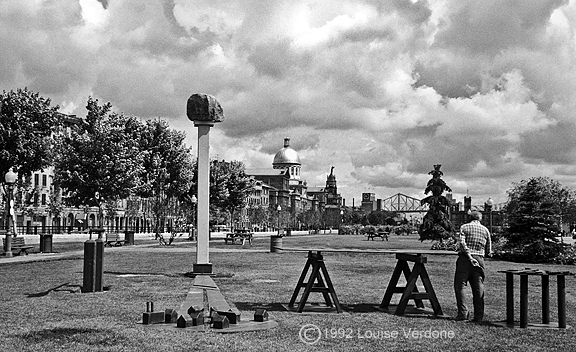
x=204, y=107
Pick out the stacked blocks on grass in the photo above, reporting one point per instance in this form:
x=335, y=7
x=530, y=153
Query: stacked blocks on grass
x=195, y=309
x=193, y=319
x=220, y=321
x=170, y=316
x=152, y=317
x=233, y=315
x=261, y=315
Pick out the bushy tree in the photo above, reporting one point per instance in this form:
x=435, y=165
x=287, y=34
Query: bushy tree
x=100, y=161
x=535, y=211
x=27, y=122
x=229, y=187
x=169, y=170
x=436, y=224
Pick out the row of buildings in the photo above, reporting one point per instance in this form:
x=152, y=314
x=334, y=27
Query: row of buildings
x=279, y=188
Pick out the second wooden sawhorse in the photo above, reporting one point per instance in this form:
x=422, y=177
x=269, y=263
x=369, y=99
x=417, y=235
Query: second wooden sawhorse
x=410, y=291
x=318, y=281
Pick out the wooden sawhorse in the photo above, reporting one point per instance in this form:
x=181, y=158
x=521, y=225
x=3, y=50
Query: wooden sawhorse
x=319, y=281
x=410, y=291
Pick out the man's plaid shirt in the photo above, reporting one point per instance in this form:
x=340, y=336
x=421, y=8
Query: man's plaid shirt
x=475, y=238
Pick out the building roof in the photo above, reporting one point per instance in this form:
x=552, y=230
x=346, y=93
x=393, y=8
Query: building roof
x=286, y=156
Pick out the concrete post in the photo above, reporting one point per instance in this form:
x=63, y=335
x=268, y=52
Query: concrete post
x=204, y=110
x=202, y=245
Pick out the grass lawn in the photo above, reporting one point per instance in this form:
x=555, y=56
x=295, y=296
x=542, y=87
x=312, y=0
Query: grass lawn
x=43, y=309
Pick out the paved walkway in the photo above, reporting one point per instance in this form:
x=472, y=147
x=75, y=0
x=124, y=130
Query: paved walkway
x=152, y=247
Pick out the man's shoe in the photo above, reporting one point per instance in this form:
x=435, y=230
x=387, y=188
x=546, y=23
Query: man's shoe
x=462, y=317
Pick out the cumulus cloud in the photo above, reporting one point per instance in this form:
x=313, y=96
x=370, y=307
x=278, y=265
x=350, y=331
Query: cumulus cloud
x=382, y=90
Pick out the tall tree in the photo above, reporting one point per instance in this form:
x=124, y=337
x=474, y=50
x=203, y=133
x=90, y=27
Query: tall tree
x=436, y=224
x=100, y=161
x=27, y=122
x=536, y=208
x=229, y=186
x=169, y=166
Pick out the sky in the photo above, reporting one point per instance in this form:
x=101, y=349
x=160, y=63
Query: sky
x=380, y=89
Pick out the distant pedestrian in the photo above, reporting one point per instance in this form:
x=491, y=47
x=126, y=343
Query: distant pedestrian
x=474, y=243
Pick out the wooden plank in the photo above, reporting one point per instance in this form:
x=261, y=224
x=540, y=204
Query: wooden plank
x=411, y=257
x=370, y=251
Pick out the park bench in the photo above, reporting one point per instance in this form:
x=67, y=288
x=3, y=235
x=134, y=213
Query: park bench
x=113, y=239
x=380, y=233
x=18, y=245
x=240, y=235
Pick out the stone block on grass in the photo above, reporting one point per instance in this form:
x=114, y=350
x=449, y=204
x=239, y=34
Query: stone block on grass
x=153, y=318
x=195, y=309
x=260, y=315
x=220, y=321
x=233, y=315
x=170, y=315
x=187, y=320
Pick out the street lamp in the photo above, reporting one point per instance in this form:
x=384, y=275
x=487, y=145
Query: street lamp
x=10, y=179
x=278, y=209
x=489, y=205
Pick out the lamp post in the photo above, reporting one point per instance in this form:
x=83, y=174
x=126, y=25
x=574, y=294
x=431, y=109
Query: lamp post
x=10, y=179
x=489, y=205
x=278, y=209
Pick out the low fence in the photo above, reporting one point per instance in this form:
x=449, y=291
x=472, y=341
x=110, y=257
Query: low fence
x=41, y=230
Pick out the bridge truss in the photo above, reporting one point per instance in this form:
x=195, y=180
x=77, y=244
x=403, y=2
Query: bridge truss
x=402, y=203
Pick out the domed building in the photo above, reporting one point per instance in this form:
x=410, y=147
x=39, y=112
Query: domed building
x=288, y=159
x=282, y=186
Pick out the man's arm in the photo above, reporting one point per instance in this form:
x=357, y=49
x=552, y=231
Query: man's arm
x=488, y=247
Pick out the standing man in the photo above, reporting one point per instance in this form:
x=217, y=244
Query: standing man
x=474, y=243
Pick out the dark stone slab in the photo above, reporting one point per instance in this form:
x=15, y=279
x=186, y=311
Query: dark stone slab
x=153, y=318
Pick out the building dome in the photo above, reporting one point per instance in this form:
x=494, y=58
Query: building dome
x=286, y=156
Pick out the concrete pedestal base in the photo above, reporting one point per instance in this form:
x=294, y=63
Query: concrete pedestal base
x=202, y=269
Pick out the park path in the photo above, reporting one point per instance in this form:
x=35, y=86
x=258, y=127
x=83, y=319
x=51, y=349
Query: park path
x=176, y=247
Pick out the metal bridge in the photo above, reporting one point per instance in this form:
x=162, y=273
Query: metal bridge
x=402, y=203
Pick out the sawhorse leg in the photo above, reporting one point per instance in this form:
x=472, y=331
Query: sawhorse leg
x=315, y=283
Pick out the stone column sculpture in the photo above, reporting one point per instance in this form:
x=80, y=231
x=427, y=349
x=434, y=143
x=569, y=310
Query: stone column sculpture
x=204, y=110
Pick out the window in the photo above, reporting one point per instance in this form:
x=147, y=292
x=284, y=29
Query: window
x=43, y=199
x=44, y=180
x=36, y=180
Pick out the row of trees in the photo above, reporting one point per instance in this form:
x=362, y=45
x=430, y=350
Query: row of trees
x=108, y=156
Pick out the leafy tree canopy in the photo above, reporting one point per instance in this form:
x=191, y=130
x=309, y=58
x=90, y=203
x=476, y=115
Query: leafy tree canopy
x=167, y=159
x=26, y=124
x=100, y=161
x=229, y=185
